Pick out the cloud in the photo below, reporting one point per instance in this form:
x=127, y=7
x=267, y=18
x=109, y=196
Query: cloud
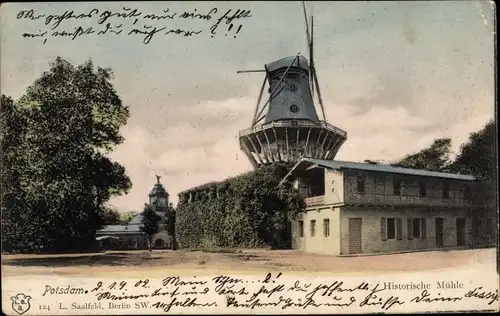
x=200, y=145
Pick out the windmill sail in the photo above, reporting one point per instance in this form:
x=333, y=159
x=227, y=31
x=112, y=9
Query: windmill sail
x=291, y=129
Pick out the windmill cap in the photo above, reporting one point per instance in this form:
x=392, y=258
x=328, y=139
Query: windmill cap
x=300, y=62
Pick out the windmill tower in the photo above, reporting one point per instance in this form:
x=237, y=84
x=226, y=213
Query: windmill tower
x=291, y=128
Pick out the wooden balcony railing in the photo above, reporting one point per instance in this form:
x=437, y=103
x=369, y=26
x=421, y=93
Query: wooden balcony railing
x=315, y=200
x=405, y=200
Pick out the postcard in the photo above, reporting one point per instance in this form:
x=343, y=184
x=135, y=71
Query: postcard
x=248, y=157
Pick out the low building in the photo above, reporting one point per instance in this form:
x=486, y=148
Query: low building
x=130, y=236
x=355, y=208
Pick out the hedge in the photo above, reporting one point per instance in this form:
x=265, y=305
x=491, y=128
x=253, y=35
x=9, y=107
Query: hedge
x=246, y=211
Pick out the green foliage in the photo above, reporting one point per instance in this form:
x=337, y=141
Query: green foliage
x=58, y=177
x=434, y=158
x=170, y=223
x=125, y=218
x=111, y=216
x=479, y=157
x=150, y=223
x=12, y=129
x=242, y=212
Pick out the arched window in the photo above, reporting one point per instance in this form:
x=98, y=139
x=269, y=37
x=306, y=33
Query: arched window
x=159, y=243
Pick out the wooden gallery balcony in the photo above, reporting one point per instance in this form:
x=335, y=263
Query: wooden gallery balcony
x=315, y=200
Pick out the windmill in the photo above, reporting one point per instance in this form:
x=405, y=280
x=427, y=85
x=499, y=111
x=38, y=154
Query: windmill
x=290, y=129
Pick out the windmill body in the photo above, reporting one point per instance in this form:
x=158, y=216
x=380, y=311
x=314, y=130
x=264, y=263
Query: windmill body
x=290, y=128
x=293, y=98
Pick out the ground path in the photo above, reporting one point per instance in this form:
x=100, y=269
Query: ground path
x=159, y=262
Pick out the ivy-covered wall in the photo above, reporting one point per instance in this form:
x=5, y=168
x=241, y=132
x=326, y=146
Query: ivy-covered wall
x=246, y=211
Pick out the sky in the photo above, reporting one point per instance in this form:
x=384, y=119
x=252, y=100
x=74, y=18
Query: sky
x=394, y=75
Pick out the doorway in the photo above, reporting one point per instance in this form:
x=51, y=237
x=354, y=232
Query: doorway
x=159, y=243
x=439, y=232
x=460, y=232
x=354, y=235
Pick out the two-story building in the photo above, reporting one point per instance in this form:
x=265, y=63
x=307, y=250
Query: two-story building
x=355, y=208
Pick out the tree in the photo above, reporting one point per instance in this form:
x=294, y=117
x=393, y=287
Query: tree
x=71, y=118
x=111, y=216
x=170, y=224
x=125, y=218
x=479, y=157
x=150, y=224
x=434, y=158
x=12, y=130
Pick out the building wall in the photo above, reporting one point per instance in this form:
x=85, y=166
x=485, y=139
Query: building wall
x=379, y=189
x=371, y=235
x=138, y=240
x=318, y=243
x=125, y=241
x=334, y=187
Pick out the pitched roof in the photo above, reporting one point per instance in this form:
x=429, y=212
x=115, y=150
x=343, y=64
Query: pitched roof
x=338, y=165
x=120, y=229
x=134, y=226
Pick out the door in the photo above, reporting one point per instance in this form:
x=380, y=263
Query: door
x=354, y=235
x=439, y=232
x=460, y=232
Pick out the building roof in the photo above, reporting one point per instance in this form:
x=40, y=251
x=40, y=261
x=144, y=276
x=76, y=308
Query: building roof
x=134, y=226
x=300, y=62
x=120, y=229
x=376, y=167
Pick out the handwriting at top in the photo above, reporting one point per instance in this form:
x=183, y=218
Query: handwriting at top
x=130, y=21
x=194, y=15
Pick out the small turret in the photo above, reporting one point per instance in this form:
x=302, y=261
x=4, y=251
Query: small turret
x=158, y=197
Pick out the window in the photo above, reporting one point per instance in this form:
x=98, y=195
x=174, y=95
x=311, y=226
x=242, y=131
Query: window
x=326, y=227
x=313, y=228
x=397, y=186
x=315, y=179
x=422, y=188
x=361, y=184
x=446, y=189
x=301, y=228
x=391, y=228
x=466, y=192
x=379, y=180
x=416, y=228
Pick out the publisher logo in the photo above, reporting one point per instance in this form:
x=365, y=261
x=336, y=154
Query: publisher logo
x=21, y=303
